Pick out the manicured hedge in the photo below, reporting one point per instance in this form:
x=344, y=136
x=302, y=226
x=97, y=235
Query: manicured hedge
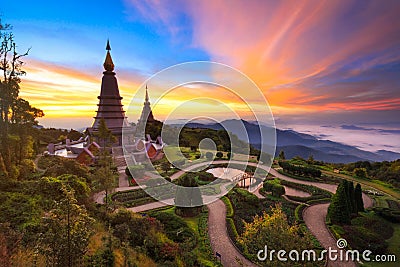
x=132, y=198
x=229, y=208
x=298, y=213
x=316, y=193
x=300, y=170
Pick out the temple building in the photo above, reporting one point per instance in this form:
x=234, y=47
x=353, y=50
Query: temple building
x=110, y=107
x=138, y=145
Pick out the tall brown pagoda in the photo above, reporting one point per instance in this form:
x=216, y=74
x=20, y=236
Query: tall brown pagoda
x=110, y=107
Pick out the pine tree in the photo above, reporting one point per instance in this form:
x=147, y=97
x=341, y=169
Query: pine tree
x=282, y=155
x=352, y=200
x=104, y=174
x=188, y=196
x=358, y=198
x=338, y=211
x=66, y=232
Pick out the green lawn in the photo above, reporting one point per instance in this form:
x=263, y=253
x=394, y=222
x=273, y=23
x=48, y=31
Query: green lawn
x=381, y=186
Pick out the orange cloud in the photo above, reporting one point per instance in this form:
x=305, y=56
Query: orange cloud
x=279, y=44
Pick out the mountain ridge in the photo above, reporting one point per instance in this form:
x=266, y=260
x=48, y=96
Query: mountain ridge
x=299, y=144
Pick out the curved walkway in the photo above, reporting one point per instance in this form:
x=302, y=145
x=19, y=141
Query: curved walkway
x=314, y=217
x=219, y=237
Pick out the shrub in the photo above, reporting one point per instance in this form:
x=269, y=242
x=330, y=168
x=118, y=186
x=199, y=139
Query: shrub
x=300, y=170
x=175, y=227
x=362, y=239
x=179, y=163
x=246, y=196
x=275, y=187
x=278, y=190
x=137, y=171
x=127, y=172
x=374, y=224
x=205, y=176
x=298, y=213
x=229, y=208
x=209, y=155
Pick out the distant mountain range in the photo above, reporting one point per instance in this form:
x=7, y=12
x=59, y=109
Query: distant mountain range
x=299, y=144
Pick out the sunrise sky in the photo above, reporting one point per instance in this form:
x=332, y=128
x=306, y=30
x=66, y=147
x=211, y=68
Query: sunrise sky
x=325, y=67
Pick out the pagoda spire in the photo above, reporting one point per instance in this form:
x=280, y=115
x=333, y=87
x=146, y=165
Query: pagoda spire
x=146, y=99
x=108, y=47
x=108, y=62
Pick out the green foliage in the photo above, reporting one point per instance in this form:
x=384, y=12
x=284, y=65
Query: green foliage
x=104, y=136
x=299, y=170
x=179, y=163
x=17, y=116
x=229, y=208
x=360, y=173
x=104, y=257
x=274, y=187
x=188, y=196
x=26, y=169
x=385, y=171
x=56, y=166
x=242, y=195
x=65, y=234
x=265, y=158
x=316, y=193
x=191, y=137
x=204, y=241
x=131, y=227
x=8, y=240
x=176, y=228
x=166, y=166
x=361, y=238
x=338, y=211
x=299, y=213
x=347, y=200
x=209, y=155
x=273, y=229
x=358, y=200
x=144, y=232
x=278, y=190
x=205, y=176
x=282, y=155
x=132, y=198
x=137, y=171
x=374, y=224
x=388, y=214
x=19, y=209
x=50, y=188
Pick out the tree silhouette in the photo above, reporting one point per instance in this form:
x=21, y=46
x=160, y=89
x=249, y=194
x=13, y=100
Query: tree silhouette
x=359, y=203
x=66, y=232
x=15, y=113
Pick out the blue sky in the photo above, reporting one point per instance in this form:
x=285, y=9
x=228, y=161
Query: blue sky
x=317, y=63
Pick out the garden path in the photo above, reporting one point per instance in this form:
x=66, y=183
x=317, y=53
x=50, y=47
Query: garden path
x=314, y=217
x=219, y=238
